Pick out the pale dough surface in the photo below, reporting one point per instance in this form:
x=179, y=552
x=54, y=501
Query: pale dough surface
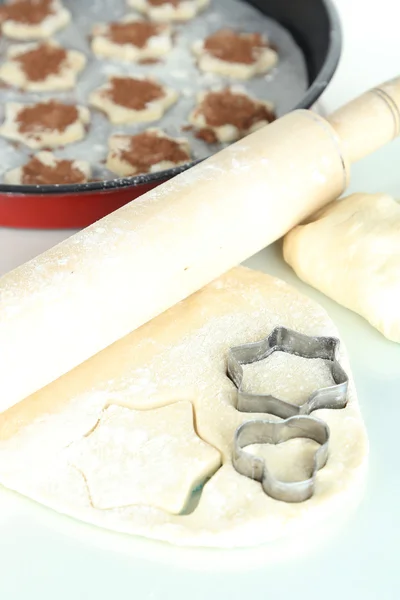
x=155, y=47
x=25, y=31
x=42, y=138
x=182, y=11
x=119, y=142
x=119, y=115
x=350, y=251
x=180, y=357
x=14, y=176
x=208, y=63
x=228, y=132
x=12, y=72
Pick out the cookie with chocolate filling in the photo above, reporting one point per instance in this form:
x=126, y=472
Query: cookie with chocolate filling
x=46, y=169
x=169, y=10
x=229, y=114
x=137, y=99
x=33, y=19
x=132, y=39
x=147, y=152
x=234, y=54
x=42, y=66
x=45, y=124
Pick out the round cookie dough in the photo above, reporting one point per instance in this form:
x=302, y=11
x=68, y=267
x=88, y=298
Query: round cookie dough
x=132, y=39
x=33, y=19
x=45, y=124
x=42, y=66
x=169, y=10
x=46, y=169
x=137, y=99
x=228, y=114
x=146, y=152
x=234, y=54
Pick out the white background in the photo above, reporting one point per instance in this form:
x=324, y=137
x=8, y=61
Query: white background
x=46, y=556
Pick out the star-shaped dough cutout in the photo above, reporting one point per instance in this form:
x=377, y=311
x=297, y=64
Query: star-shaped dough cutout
x=151, y=457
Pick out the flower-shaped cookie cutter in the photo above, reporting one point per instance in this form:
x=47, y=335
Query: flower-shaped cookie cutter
x=269, y=432
x=282, y=339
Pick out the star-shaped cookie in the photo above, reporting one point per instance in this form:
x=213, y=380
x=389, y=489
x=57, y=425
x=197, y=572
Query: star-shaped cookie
x=144, y=457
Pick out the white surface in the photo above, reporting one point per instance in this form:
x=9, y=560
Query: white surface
x=43, y=555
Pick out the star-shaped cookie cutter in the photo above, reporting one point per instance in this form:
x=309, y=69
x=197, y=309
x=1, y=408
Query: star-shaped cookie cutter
x=282, y=339
x=269, y=432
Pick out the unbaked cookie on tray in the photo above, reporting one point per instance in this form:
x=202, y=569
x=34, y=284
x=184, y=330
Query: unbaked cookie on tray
x=137, y=99
x=42, y=66
x=45, y=124
x=234, y=54
x=228, y=114
x=46, y=169
x=169, y=10
x=146, y=152
x=32, y=19
x=132, y=39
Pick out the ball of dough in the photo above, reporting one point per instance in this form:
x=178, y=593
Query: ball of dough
x=350, y=251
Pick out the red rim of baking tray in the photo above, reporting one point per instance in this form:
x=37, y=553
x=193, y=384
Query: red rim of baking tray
x=44, y=207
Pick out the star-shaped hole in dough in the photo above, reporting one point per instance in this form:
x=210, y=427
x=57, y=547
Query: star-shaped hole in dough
x=152, y=458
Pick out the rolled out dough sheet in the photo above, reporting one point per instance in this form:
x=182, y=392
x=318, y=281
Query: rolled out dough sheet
x=57, y=445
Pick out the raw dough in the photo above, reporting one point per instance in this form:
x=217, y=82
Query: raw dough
x=228, y=114
x=350, y=251
x=167, y=10
x=33, y=19
x=181, y=357
x=146, y=457
x=52, y=75
x=236, y=55
x=49, y=129
x=46, y=169
x=124, y=99
x=132, y=39
x=146, y=152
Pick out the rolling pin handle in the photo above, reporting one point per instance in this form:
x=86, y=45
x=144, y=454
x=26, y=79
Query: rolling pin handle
x=370, y=121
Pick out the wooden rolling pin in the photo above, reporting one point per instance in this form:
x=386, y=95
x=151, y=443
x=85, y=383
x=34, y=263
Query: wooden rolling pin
x=71, y=302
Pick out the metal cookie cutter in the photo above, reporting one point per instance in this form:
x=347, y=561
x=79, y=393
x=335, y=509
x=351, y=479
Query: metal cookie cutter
x=292, y=342
x=268, y=432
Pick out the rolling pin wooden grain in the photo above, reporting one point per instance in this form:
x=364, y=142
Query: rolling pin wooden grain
x=66, y=305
